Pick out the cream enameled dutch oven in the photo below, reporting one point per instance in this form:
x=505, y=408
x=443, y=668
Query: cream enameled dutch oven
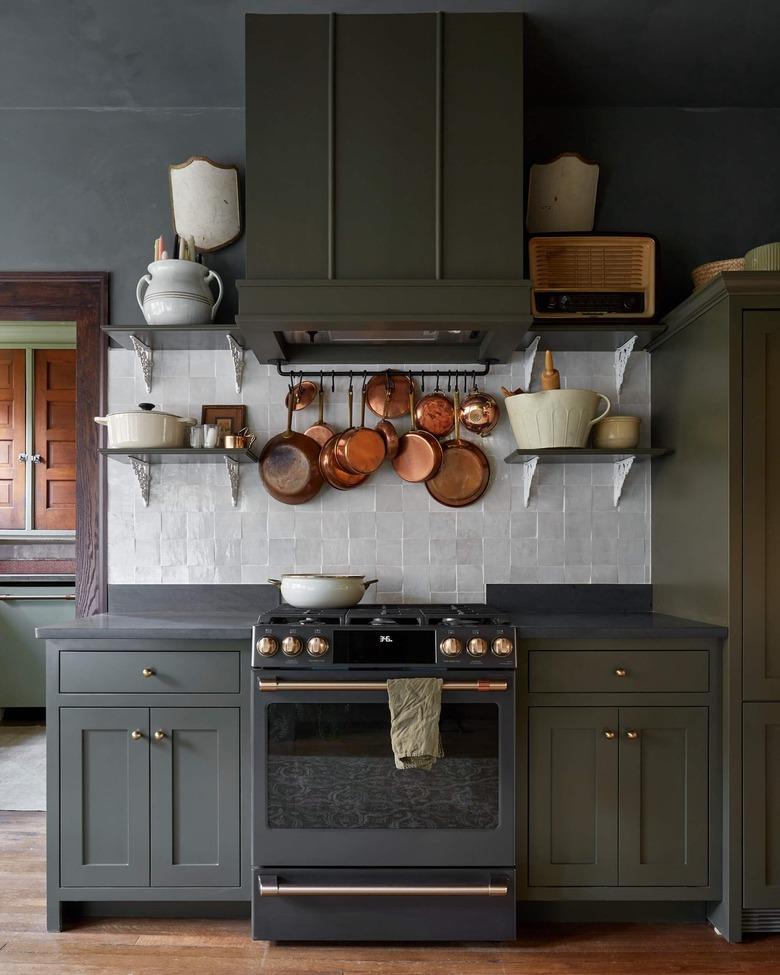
x=145, y=427
x=313, y=591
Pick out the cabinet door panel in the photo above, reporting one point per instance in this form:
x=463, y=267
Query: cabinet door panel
x=55, y=439
x=195, y=797
x=12, y=438
x=761, y=790
x=573, y=797
x=663, y=797
x=761, y=510
x=104, y=795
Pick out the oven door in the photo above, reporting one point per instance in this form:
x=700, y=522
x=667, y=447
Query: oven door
x=327, y=792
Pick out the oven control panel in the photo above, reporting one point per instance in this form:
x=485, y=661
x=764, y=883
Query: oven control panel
x=473, y=645
x=301, y=646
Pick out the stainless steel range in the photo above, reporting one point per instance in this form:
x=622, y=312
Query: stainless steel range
x=346, y=846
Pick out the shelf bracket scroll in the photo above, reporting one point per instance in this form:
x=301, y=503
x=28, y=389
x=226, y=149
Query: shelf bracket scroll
x=143, y=475
x=237, y=355
x=620, y=470
x=232, y=467
x=622, y=355
x=145, y=357
x=528, y=366
x=529, y=469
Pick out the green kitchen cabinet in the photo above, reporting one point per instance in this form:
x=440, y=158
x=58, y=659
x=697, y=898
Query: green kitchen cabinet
x=761, y=790
x=23, y=606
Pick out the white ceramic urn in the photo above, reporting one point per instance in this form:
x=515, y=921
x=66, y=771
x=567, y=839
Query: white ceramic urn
x=178, y=293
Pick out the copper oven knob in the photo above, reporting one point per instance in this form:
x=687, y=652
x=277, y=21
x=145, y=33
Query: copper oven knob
x=291, y=646
x=503, y=646
x=317, y=646
x=451, y=646
x=267, y=646
x=478, y=646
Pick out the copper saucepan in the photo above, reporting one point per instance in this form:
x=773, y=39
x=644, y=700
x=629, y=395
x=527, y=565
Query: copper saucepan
x=360, y=450
x=320, y=431
x=398, y=403
x=330, y=468
x=385, y=428
x=289, y=464
x=435, y=412
x=479, y=412
x=419, y=453
x=464, y=473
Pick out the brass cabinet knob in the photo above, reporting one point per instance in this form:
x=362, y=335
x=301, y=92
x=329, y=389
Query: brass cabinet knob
x=632, y=734
x=148, y=672
x=609, y=734
x=621, y=672
x=135, y=735
x=159, y=736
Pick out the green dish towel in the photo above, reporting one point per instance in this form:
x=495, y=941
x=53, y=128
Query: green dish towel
x=415, y=708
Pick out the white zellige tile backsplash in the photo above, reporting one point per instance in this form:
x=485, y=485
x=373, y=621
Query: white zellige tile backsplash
x=419, y=550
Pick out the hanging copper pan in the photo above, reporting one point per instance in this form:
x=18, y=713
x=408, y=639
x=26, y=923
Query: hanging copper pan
x=385, y=428
x=464, y=473
x=302, y=394
x=479, y=412
x=330, y=468
x=376, y=394
x=320, y=431
x=435, y=412
x=419, y=452
x=289, y=464
x=360, y=450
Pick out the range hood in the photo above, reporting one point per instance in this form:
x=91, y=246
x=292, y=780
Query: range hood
x=384, y=188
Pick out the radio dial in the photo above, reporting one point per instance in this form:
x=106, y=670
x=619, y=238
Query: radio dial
x=267, y=646
x=451, y=646
x=503, y=646
x=291, y=646
x=478, y=646
x=317, y=646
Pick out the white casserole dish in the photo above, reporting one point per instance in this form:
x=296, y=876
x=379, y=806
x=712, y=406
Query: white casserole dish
x=145, y=427
x=313, y=591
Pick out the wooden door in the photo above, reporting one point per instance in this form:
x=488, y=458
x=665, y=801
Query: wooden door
x=573, y=796
x=761, y=792
x=13, y=471
x=761, y=512
x=104, y=797
x=196, y=797
x=55, y=439
x=664, y=805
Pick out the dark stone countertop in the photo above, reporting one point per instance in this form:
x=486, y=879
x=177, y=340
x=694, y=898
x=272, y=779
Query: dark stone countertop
x=152, y=626
x=612, y=626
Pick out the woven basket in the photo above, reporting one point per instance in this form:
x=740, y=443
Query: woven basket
x=704, y=273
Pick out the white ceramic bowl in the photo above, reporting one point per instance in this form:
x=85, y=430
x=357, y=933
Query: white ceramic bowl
x=312, y=591
x=554, y=417
x=135, y=429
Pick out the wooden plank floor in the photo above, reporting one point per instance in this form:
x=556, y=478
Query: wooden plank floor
x=198, y=947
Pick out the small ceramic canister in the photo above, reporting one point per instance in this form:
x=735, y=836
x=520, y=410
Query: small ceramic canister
x=616, y=433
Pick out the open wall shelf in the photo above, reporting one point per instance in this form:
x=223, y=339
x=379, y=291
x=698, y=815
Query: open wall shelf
x=579, y=336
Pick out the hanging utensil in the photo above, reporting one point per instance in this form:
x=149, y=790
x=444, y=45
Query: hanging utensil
x=464, y=473
x=376, y=395
x=320, y=431
x=419, y=452
x=360, y=450
x=330, y=468
x=479, y=411
x=303, y=393
x=435, y=412
x=385, y=428
x=510, y=392
x=289, y=464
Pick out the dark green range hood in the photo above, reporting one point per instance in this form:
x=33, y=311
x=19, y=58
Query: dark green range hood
x=384, y=189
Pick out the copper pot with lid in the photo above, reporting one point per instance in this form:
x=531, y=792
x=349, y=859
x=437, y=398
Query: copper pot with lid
x=479, y=411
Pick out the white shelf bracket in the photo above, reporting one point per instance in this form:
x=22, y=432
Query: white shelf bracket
x=143, y=475
x=529, y=469
x=528, y=363
x=237, y=354
x=145, y=357
x=622, y=355
x=620, y=471
x=233, y=467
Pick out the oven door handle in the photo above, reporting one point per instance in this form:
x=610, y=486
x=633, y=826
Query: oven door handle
x=269, y=886
x=274, y=684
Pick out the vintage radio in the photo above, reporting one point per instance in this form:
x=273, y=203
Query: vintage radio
x=593, y=275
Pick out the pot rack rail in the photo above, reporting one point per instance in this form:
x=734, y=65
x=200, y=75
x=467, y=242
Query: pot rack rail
x=293, y=375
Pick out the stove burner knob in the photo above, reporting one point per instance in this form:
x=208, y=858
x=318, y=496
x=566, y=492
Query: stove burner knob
x=267, y=646
x=317, y=646
x=451, y=646
x=478, y=646
x=503, y=646
x=291, y=646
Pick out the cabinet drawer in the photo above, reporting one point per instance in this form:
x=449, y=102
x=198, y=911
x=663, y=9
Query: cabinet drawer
x=621, y=671
x=122, y=672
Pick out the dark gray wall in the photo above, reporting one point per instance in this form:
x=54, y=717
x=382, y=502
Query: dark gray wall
x=98, y=96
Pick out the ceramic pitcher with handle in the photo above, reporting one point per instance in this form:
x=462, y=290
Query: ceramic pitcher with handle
x=178, y=292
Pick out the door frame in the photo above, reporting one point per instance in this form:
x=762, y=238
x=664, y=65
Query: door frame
x=80, y=297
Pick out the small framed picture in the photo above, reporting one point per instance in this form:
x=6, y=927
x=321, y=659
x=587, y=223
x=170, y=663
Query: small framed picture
x=229, y=419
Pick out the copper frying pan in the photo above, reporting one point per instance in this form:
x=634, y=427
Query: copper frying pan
x=435, y=413
x=419, y=453
x=289, y=464
x=464, y=473
x=385, y=428
x=376, y=395
x=360, y=450
x=330, y=468
x=302, y=394
x=320, y=431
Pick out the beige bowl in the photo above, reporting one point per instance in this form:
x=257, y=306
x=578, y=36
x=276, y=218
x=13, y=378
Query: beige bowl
x=617, y=432
x=766, y=257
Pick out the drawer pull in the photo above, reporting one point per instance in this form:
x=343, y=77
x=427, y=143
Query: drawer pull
x=621, y=672
x=609, y=734
x=270, y=887
x=633, y=735
x=136, y=735
x=159, y=736
x=148, y=672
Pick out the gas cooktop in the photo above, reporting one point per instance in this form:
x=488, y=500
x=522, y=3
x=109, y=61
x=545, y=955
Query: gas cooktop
x=403, y=614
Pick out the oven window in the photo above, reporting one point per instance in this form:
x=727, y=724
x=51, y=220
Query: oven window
x=330, y=766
